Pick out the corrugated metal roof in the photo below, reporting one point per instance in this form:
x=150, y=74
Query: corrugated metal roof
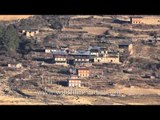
x=94, y=48
x=81, y=53
x=58, y=52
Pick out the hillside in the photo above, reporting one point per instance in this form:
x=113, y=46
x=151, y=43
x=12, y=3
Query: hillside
x=41, y=80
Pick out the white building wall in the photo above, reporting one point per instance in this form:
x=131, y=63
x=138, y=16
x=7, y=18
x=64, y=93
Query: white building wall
x=106, y=60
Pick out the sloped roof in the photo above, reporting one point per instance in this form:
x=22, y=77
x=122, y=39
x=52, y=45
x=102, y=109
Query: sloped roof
x=94, y=48
x=83, y=68
x=58, y=52
x=81, y=53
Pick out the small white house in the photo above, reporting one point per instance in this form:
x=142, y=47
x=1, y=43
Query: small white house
x=48, y=50
x=18, y=65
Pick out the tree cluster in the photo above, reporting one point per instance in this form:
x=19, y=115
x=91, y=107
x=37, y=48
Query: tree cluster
x=9, y=39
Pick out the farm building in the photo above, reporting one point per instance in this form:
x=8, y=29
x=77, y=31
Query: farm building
x=152, y=20
x=15, y=65
x=136, y=20
x=81, y=58
x=30, y=33
x=48, y=50
x=74, y=81
x=83, y=72
x=103, y=50
x=108, y=58
x=126, y=46
x=94, y=51
x=60, y=57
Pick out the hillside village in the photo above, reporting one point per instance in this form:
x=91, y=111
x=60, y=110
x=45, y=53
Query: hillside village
x=112, y=55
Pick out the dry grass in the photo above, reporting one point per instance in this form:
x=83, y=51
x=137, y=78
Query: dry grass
x=80, y=16
x=10, y=100
x=79, y=100
x=94, y=100
x=13, y=17
x=71, y=29
x=101, y=17
x=95, y=30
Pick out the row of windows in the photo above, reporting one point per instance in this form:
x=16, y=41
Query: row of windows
x=60, y=62
x=83, y=71
x=103, y=52
x=73, y=85
x=113, y=60
x=74, y=81
x=84, y=75
x=81, y=59
x=94, y=53
x=104, y=59
x=60, y=58
x=137, y=22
